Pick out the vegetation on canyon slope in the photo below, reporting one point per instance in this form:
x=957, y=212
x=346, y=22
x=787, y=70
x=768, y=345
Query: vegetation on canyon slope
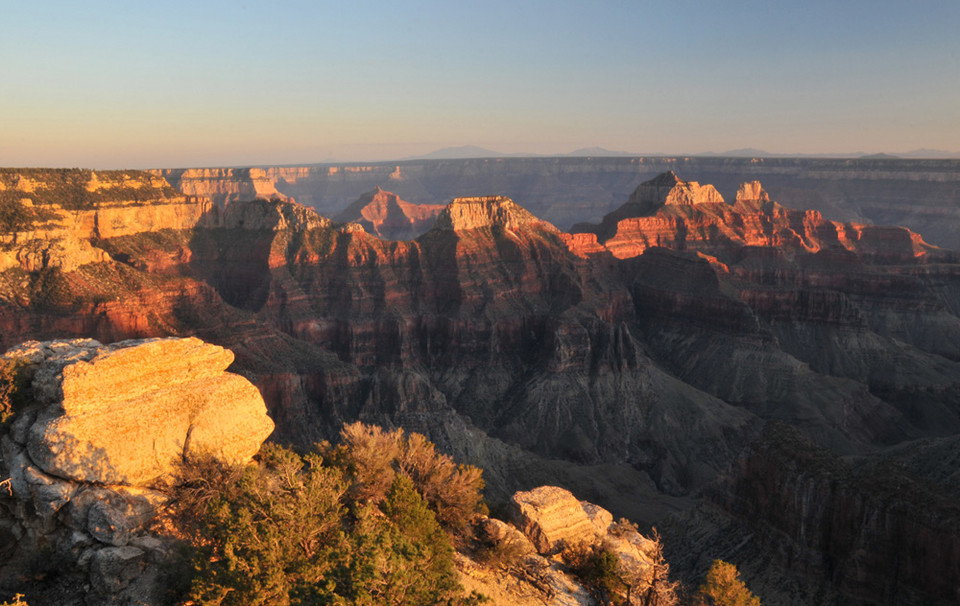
x=71, y=188
x=372, y=520
x=365, y=522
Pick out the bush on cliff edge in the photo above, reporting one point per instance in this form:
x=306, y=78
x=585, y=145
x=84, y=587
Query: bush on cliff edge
x=352, y=527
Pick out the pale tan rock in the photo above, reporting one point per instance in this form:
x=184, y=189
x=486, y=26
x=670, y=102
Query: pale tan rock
x=752, y=191
x=501, y=534
x=601, y=518
x=126, y=413
x=552, y=517
x=534, y=581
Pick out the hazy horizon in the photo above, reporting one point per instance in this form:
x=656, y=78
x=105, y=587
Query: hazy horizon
x=177, y=84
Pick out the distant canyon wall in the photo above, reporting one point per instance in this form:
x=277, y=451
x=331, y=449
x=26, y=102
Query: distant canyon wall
x=923, y=195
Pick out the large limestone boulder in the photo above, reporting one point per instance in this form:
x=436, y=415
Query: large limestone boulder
x=126, y=413
x=78, y=465
x=551, y=517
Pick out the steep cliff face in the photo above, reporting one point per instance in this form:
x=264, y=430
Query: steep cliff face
x=49, y=217
x=870, y=532
x=224, y=185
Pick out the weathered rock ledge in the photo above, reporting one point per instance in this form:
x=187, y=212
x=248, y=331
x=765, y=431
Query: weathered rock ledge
x=104, y=426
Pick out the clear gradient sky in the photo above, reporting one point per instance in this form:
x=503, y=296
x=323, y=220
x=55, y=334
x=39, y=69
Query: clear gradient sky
x=135, y=84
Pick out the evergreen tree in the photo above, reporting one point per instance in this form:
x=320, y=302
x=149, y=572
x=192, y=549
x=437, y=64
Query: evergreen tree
x=723, y=586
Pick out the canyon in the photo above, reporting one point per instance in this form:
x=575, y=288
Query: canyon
x=918, y=194
x=642, y=360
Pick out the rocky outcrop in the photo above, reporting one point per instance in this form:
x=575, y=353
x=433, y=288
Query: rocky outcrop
x=99, y=434
x=464, y=214
x=752, y=192
x=128, y=412
x=52, y=215
x=549, y=523
x=676, y=214
x=385, y=215
x=668, y=189
x=553, y=518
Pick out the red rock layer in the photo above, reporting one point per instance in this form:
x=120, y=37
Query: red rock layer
x=661, y=214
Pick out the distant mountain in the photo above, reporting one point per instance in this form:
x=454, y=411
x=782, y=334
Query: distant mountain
x=880, y=157
x=461, y=152
x=474, y=151
x=938, y=154
x=585, y=152
x=751, y=152
x=745, y=152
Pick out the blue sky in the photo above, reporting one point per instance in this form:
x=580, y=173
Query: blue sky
x=143, y=84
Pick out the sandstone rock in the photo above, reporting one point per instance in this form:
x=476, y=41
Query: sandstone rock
x=601, y=518
x=136, y=506
x=551, y=517
x=60, y=223
x=103, y=413
x=535, y=581
x=125, y=413
x=264, y=215
x=227, y=185
x=48, y=494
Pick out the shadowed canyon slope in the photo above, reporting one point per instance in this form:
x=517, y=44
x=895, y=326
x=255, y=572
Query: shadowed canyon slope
x=632, y=362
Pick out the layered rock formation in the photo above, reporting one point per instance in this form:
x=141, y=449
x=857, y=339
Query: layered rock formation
x=918, y=194
x=225, y=185
x=552, y=518
x=670, y=212
x=101, y=430
x=385, y=215
x=128, y=412
x=50, y=217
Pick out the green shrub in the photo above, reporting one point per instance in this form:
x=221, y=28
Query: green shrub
x=371, y=458
x=309, y=529
x=597, y=567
